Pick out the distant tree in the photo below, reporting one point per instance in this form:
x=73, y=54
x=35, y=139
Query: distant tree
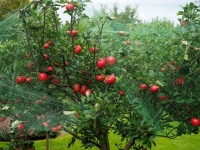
x=8, y=6
x=159, y=23
x=127, y=15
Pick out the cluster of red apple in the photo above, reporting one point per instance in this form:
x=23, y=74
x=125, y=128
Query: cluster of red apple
x=83, y=89
x=126, y=42
x=101, y=63
x=180, y=80
x=153, y=89
x=23, y=79
x=53, y=128
x=21, y=126
x=48, y=44
x=109, y=79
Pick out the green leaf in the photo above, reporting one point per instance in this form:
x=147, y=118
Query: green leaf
x=186, y=56
x=138, y=142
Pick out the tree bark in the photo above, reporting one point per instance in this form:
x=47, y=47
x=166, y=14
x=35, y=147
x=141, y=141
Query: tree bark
x=129, y=144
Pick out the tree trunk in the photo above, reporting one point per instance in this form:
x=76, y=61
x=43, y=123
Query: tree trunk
x=105, y=145
x=47, y=141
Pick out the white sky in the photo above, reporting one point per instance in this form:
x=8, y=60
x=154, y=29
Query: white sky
x=147, y=9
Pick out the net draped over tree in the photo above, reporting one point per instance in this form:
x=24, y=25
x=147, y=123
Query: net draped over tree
x=89, y=77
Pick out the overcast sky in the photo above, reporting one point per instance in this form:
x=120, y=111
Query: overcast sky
x=147, y=9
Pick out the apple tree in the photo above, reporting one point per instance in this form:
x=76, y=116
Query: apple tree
x=88, y=81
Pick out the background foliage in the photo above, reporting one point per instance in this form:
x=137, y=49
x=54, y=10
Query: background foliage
x=7, y=7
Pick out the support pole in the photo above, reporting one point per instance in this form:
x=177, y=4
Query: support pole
x=47, y=141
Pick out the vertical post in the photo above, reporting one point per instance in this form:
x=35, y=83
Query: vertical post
x=47, y=141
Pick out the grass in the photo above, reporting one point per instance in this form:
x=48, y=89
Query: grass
x=185, y=142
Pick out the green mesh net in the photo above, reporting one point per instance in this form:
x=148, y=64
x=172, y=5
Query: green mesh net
x=33, y=108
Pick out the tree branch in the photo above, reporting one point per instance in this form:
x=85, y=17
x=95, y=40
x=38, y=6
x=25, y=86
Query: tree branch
x=80, y=138
x=129, y=144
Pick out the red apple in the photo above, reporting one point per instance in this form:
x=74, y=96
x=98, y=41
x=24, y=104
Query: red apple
x=128, y=42
x=68, y=32
x=92, y=50
x=49, y=68
x=121, y=32
x=74, y=32
x=77, y=115
x=56, y=81
x=20, y=79
x=110, y=60
x=27, y=56
x=51, y=42
x=37, y=102
x=195, y=122
x=20, y=126
x=29, y=80
x=46, y=124
x=83, y=88
x=66, y=63
x=2, y=118
x=100, y=77
x=121, y=93
x=29, y=65
x=46, y=56
x=56, y=64
x=162, y=69
x=76, y=87
x=101, y=63
x=143, y=87
x=59, y=127
x=54, y=129
x=180, y=81
x=46, y=46
x=87, y=92
x=42, y=116
x=42, y=76
x=69, y=7
x=77, y=49
x=163, y=97
x=154, y=89
x=111, y=79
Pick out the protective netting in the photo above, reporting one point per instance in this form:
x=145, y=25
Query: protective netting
x=8, y=27
x=33, y=106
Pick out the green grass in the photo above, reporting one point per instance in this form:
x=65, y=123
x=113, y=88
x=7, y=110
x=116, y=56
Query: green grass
x=185, y=142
